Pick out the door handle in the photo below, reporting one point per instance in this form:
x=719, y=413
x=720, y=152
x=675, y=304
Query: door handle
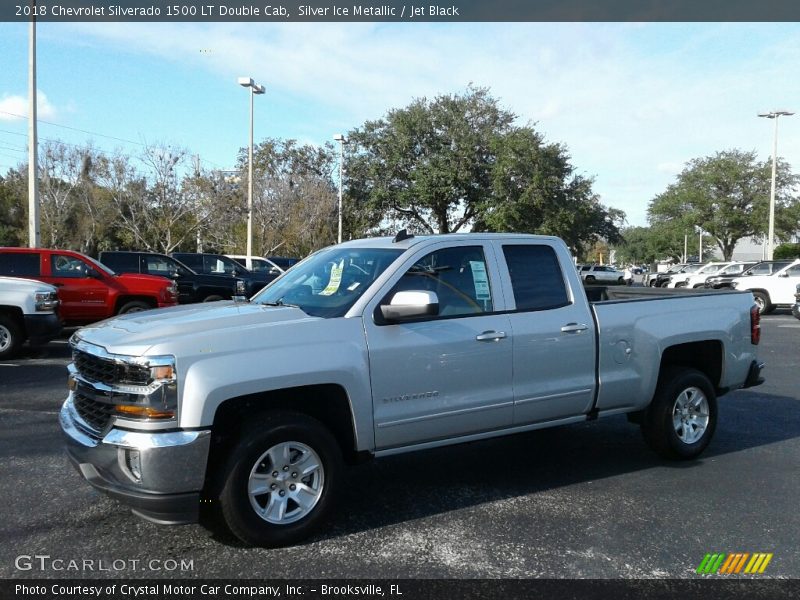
x=490, y=336
x=574, y=328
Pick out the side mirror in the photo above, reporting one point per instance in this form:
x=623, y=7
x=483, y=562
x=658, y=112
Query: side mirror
x=784, y=274
x=412, y=304
x=93, y=274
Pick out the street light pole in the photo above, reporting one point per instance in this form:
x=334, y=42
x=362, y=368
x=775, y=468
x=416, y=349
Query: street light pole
x=342, y=141
x=254, y=89
x=33, y=183
x=771, y=233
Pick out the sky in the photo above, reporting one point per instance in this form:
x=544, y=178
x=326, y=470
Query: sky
x=632, y=103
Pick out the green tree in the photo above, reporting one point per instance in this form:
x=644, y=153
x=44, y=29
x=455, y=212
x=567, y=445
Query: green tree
x=428, y=166
x=535, y=190
x=787, y=251
x=13, y=209
x=295, y=202
x=458, y=162
x=660, y=241
x=728, y=196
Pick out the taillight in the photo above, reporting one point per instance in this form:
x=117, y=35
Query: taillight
x=755, y=325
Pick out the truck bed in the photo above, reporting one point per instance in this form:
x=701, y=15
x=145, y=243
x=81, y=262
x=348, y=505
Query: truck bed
x=615, y=293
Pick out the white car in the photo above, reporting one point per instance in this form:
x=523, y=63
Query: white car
x=698, y=279
x=772, y=291
x=679, y=279
x=682, y=279
x=601, y=273
x=28, y=311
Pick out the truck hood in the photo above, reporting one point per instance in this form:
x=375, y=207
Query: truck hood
x=20, y=284
x=136, y=281
x=136, y=333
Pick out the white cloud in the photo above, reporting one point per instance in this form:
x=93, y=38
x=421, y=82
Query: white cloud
x=15, y=108
x=630, y=102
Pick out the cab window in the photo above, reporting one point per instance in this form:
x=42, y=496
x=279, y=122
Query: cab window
x=458, y=276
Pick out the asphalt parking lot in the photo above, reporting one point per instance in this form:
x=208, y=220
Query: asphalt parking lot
x=586, y=500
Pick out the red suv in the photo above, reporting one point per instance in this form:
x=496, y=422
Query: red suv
x=88, y=290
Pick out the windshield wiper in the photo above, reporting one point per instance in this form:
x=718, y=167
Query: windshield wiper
x=279, y=302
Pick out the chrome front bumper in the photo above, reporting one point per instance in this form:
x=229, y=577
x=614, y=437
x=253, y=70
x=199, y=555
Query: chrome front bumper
x=159, y=474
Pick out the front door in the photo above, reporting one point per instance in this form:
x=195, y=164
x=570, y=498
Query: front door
x=82, y=296
x=447, y=375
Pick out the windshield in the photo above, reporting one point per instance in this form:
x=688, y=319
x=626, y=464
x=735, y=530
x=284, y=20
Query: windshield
x=710, y=269
x=100, y=266
x=329, y=282
x=765, y=268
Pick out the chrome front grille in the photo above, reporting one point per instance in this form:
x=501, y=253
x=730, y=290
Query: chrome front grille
x=97, y=369
x=95, y=413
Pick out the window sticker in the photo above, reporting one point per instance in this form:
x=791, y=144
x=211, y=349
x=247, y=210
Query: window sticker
x=335, y=280
x=480, y=279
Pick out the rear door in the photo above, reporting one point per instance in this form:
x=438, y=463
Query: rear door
x=554, y=350
x=447, y=375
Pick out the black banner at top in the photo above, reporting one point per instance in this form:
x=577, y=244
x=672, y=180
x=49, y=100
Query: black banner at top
x=406, y=11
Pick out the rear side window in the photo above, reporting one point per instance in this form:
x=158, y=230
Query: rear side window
x=121, y=263
x=158, y=265
x=536, y=277
x=18, y=264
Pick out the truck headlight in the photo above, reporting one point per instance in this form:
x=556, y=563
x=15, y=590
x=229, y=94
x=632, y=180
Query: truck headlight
x=46, y=301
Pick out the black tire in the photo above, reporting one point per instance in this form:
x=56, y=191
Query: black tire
x=133, y=306
x=213, y=298
x=763, y=302
x=251, y=456
x=680, y=284
x=664, y=418
x=621, y=281
x=589, y=279
x=652, y=283
x=11, y=337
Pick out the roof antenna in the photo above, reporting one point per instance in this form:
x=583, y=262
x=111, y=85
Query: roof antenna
x=402, y=235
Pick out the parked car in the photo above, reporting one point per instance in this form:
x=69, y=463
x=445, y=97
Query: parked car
x=28, y=312
x=192, y=286
x=218, y=264
x=698, y=279
x=765, y=267
x=678, y=280
x=772, y=291
x=257, y=264
x=655, y=278
x=602, y=274
x=378, y=347
x=88, y=290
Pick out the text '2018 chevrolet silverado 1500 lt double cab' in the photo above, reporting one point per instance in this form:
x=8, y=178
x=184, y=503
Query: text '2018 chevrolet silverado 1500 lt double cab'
x=381, y=346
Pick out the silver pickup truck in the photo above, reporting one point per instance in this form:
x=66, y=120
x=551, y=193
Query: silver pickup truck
x=381, y=346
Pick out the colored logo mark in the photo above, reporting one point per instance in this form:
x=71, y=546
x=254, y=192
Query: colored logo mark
x=728, y=564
